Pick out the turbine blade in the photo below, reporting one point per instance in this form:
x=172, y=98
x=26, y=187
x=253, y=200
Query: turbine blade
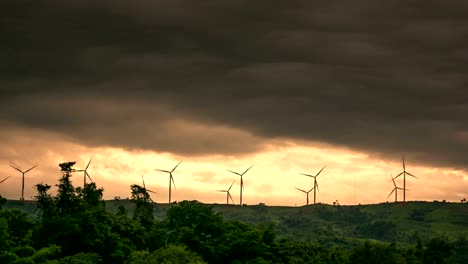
x=232, y=200
x=242, y=183
x=316, y=185
x=390, y=193
x=163, y=170
x=310, y=189
x=89, y=162
x=403, y=159
x=143, y=179
x=173, y=183
x=320, y=171
x=300, y=190
x=247, y=169
x=5, y=179
x=87, y=174
x=306, y=174
x=78, y=170
x=221, y=190
x=234, y=172
x=15, y=168
x=31, y=169
x=176, y=166
x=231, y=185
x=151, y=191
x=411, y=175
x=393, y=180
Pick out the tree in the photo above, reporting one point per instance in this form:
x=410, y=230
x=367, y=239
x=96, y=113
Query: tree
x=143, y=207
x=170, y=254
x=91, y=195
x=19, y=227
x=3, y=200
x=196, y=225
x=437, y=251
x=67, y=200
x=375, y=253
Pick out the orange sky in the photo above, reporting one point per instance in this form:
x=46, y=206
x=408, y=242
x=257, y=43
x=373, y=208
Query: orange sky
x=291, y=87
x=351, y=177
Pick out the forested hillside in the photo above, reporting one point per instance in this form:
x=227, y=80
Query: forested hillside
x=77, y=226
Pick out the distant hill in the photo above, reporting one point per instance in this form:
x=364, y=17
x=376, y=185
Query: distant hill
x=333, y=225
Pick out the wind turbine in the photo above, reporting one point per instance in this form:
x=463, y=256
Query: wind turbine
x=242, y=181
x=228, y=195
x=171, y=179
x=395, y=189
x=306, y=192
x=315, y=188
x=404, y=172
x=86, y=174
x=23, y=172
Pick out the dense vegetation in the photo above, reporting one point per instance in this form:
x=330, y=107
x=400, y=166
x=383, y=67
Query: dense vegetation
x=74, y=226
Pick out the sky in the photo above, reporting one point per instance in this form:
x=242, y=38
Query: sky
x=286, y=86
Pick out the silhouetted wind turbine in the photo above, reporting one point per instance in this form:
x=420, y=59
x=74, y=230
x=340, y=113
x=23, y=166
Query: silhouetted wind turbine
x=86, y=174
x=242, y=181
x=228, y=195
x=306, y=192
x=23, y=172
x=315, y=188
x=395, y=189
x=404, y=172
x=171, y=179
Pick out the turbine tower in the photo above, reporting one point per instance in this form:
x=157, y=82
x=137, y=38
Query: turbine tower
x=395, y=189
x=23, y=172
x=242, y=181
x=315, y=188
x=86, y=174
x=228, y=195
x=404, y=172
x=306, y=192
x=171, y=179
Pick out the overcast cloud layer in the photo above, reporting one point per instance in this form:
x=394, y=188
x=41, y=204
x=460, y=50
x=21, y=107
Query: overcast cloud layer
x=221, y=77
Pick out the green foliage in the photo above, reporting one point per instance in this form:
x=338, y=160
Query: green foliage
x=194, y=215
x=194, y=224
x=80, y=258
x=27, y=260
x=43, y=254
x=381, y=230
x=7, y=257
x=437, y=251
x=45, y=202
x=4, y=236
x=143, y=209
x=19, y=227
x=91, y=195
x=23, y=251
x=3, y=201
x=375, y=253
x=459, y=250
x=66, y=200
x=304, y=252
x=170, y=254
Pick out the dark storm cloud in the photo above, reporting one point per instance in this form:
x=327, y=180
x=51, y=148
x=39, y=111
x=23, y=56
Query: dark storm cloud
x=382, y=77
